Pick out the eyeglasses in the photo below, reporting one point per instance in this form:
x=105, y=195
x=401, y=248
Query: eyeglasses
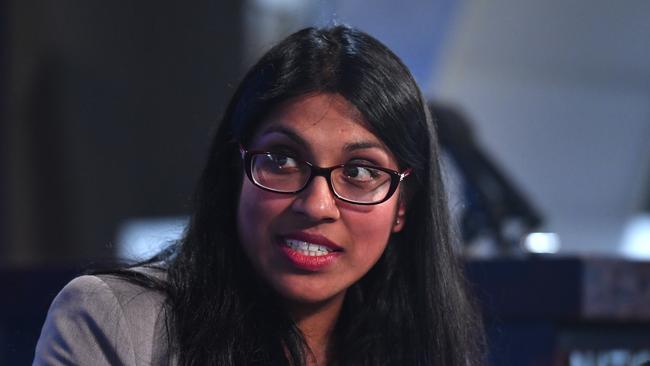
x=360, y=184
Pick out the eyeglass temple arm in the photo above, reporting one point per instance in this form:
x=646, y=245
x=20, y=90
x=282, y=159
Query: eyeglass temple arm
x=405, y=174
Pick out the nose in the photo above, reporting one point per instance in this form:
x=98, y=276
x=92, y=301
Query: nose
x=317, y=201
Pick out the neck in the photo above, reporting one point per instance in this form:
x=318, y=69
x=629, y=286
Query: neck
x=317, y=323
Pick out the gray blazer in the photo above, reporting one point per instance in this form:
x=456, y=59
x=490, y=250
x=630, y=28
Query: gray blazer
x=104, y=320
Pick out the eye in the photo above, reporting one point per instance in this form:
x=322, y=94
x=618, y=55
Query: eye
x=361, y=174
x=278, y=163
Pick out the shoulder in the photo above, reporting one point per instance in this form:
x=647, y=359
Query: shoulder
x=104, y=320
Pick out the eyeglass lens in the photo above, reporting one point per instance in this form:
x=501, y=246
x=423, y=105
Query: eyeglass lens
x=358, y=183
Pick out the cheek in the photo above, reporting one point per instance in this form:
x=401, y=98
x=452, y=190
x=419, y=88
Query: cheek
x=375, y=226
x=370, y=232
x=256, y=212
x=251, y=217
x=252, y=223
x=373, y=221
x=244, y=210
x=247, y=198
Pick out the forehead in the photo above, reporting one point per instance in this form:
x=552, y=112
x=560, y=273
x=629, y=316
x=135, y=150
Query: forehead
x=326, y=117
x=318, y=106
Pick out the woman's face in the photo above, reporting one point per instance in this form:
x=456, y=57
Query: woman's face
x=274, y=228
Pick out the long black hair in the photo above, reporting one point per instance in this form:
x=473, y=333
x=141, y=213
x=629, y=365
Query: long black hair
x=410, y=309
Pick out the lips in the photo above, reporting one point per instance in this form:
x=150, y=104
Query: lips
x=309, y=252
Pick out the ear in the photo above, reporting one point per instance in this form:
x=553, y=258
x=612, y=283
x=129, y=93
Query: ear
x=400, y=217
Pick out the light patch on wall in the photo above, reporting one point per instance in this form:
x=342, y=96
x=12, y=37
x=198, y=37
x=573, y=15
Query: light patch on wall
x=138, y=239
x=542, y=243
x=636, y=238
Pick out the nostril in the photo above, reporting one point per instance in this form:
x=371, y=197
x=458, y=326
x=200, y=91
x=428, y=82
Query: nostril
x=317, y=201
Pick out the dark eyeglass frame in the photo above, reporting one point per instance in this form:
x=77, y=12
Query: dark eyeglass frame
x=316, y=171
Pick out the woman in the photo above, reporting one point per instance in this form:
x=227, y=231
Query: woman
x=319, y=235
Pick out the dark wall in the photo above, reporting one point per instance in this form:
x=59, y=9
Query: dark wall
x=110, y=105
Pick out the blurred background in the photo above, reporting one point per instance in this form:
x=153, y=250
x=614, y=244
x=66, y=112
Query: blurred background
x=107, y=110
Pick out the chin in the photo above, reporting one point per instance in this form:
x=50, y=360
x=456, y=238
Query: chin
x=309, y=296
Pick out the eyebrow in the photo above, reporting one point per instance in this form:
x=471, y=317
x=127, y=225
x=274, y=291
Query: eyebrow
x=349, y=147
x=363, y=145
x=285, y=131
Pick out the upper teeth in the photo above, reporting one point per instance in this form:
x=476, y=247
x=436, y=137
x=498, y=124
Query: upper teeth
x=307, y=248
